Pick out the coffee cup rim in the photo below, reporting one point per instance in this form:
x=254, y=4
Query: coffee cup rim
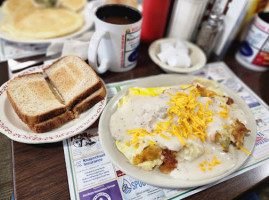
x=119, y=6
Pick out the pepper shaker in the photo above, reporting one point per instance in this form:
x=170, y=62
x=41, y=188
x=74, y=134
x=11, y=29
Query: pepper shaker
x=209, y=33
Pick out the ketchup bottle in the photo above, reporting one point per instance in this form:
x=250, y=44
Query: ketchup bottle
x=155, y=15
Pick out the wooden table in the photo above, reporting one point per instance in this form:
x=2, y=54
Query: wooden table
x=40, y=170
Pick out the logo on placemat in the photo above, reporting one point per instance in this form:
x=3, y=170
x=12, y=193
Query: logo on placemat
x=102, y=196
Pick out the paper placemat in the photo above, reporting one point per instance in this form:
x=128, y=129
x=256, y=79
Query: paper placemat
x=13, y=50
x=91, y=175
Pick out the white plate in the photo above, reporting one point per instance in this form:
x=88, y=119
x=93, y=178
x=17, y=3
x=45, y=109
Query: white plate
x=15, y=129
x=155, y=177
x=198, y=58
x=88, y=22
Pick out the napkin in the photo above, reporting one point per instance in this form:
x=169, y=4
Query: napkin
x=76, y=46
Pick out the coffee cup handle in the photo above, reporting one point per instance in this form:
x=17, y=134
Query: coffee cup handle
x=92, y=53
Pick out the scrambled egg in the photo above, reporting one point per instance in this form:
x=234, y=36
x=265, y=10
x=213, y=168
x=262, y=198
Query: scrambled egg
x=131, y=151
x=187, y=117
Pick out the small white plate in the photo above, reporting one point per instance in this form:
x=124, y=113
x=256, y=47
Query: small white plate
x=155, y=177
x=88, y=23
x=198, y=58
x=15, y=129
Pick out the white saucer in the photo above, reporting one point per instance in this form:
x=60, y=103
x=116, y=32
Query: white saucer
x=198, y=58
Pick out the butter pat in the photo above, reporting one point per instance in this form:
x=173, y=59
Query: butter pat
x=175, y=54
x=180, y=60
x=167, y=53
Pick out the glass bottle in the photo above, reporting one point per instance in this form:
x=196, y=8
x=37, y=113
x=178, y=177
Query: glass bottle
x=209, y=33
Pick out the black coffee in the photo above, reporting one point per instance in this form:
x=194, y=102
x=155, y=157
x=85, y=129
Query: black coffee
x=118, y=20
x=118, y=14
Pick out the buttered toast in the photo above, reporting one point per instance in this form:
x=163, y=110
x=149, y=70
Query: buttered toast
x=70, y=88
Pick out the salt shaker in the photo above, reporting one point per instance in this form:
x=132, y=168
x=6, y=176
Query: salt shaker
x=185, y=17
x=209, y=33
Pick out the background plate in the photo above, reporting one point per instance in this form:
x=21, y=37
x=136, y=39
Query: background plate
x=15, y=129
x=88, y=22
x=155, y=177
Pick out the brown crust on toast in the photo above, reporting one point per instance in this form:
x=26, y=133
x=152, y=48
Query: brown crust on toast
x=37, y=118
x=52, y=123
x=84, y=95
x=90, y=101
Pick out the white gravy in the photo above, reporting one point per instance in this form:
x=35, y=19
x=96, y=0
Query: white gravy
x=146, y=111
x=191, y=170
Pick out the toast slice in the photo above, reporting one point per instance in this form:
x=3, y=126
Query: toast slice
x=52, y=123
x=32, y=99
x=70, y=88
x=90, y=101
x=73, y=78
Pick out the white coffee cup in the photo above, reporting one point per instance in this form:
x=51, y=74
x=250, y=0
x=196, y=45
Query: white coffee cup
x=114, y=45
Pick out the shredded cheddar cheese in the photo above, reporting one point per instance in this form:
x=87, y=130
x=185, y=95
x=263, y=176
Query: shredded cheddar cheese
x=193, y=118
x=137, y=133
x=209, y=166
x=185, y=86
x=151, y=143
x=191, y=123
x=224, y=113
x=243, y=149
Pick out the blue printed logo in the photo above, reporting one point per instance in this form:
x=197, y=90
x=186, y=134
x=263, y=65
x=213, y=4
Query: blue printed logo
x=133, y=56
x=246, y=49
x=126, y=187
x=137, y=184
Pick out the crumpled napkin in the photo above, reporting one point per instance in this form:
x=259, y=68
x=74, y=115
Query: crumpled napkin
x=76, y=46
x=73, y=46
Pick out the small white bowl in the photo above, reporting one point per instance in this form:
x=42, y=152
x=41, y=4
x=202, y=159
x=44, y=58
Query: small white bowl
x=198, y=58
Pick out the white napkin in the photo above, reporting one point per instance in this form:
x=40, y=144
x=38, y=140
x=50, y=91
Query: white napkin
x=76, y=46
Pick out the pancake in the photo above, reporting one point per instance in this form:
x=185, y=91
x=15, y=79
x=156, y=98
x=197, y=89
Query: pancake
x=42, y=23
x=74, y=5
x=13, y=6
